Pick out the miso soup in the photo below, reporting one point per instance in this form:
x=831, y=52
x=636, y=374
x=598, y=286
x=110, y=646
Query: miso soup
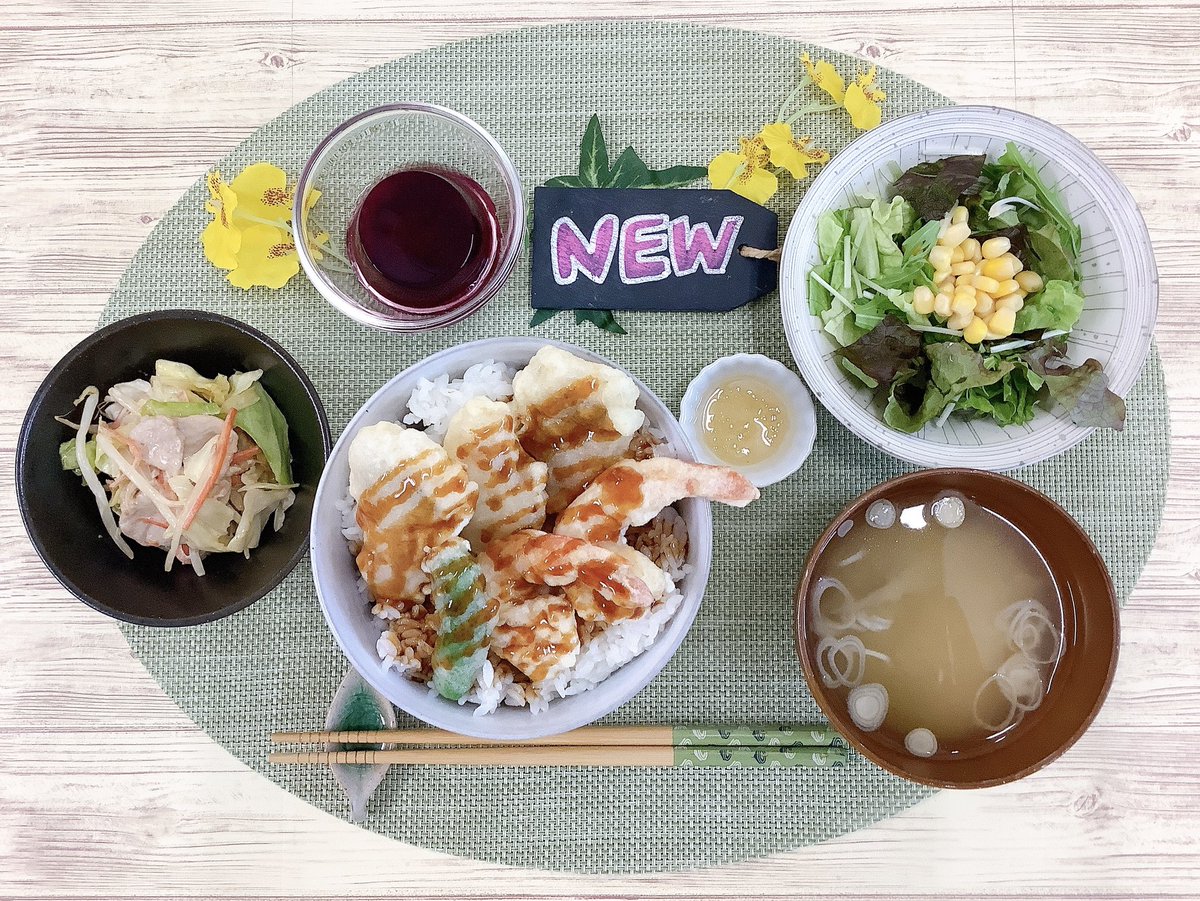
x=939, y=623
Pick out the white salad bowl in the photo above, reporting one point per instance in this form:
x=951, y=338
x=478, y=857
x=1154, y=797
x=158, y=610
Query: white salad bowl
x=1120, y=281
x=357, y=631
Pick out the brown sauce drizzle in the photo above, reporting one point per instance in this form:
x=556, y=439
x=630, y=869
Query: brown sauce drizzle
x=568, y=419
x=618, y=491
x=402, y=545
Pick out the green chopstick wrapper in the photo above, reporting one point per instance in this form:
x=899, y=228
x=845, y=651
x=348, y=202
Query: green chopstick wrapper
x=758, y=736
x=735, y=757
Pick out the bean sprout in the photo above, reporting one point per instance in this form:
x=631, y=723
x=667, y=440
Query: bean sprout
x=91, y=398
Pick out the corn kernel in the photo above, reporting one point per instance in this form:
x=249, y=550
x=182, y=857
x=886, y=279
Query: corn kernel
x=984, y=304
x=984, y=283
x=1001, y=269
x=955, y=235
x=995, y=247
x=1016, y=262
x=960, y=320
x=975, y=332
x=1008, y=286
x=1002, y=322
x=939, y=257
x=970, y=249
x=941, y=305
x=923, y=300
x=962, y=304
x=956, y=255
x=966, y=267
x=963, y=291
x=958, y=215
x=1029, y=281
x=1009, y=302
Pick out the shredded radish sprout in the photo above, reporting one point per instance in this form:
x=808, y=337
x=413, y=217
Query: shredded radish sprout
x=941, y=420
x=91, y=398
x=1001, y=206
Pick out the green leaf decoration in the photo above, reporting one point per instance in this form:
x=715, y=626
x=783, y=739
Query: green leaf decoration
x=540, y=316
x=629, y=171
x=602, y=319
x=677, y=176
x=593, y=156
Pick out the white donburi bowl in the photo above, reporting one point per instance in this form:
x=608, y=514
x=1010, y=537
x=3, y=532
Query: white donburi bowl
x=1120, y=281
x=357, y=631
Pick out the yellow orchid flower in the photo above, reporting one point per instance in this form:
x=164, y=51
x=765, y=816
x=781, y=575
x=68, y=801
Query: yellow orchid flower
x=826, y=77
x=744, y=172
x=862, y=101
x=267, y=257
x=263, y=192
x=221, y=238
x=788, y=152
x=316, y=244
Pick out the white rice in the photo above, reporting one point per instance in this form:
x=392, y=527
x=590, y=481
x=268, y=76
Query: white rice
x=435, y=401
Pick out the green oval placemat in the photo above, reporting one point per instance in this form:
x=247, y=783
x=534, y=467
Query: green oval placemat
x=678, y=93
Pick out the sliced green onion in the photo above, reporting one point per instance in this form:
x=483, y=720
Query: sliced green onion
x=868, y=706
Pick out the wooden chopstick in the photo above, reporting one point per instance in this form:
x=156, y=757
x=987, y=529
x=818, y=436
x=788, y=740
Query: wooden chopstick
x=578, y=756
x=814, y=736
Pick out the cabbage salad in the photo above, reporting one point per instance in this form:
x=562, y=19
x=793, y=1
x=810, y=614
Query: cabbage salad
x=957, y=296
x=188, y=464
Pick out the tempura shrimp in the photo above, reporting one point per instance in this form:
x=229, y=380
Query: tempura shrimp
x=633, y=492
x=601, y=585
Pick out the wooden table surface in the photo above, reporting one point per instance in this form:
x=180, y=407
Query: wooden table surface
x=108, y=111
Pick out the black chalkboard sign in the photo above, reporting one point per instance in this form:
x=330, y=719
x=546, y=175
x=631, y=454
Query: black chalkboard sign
x=649, y=249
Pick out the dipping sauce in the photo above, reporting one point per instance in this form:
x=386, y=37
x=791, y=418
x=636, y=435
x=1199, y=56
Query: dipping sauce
x=940, y=624
x=422, y=240
x=743, y=421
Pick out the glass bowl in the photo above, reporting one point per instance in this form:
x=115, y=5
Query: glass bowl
x=374, y=144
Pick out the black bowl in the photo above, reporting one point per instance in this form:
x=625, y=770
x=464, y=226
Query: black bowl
x=60, y=513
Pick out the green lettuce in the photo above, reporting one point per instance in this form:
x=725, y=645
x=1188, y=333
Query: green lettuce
x=1057, y=306
x=913, y=400
x=955, y=368
x=264, y=423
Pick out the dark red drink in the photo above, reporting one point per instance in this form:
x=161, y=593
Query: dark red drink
x=422, y=240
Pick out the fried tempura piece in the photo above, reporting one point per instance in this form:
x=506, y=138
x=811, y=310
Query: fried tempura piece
x=482, y=436
x=579, y=418
x=411, y=498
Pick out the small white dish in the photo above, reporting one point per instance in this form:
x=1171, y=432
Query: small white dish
x=802, y=431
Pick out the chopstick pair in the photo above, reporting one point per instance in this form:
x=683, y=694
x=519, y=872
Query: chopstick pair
x=638, y=746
